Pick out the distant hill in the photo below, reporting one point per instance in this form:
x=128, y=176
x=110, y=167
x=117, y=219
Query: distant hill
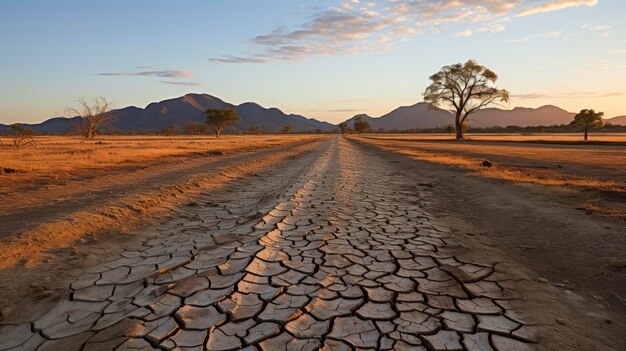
x=521, y=116
x=421, y=116
x=178, y=112
x=619, y=120
x=406, y=117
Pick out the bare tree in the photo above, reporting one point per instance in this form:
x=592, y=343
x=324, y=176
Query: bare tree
x=464, y=89
x=95, y=115
x=21, y=137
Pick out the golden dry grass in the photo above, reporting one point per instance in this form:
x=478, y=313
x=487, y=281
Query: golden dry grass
x=68, y=190
x=548, y=137
x=65, y=157
x=590, y=167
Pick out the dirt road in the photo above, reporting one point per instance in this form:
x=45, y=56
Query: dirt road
x=338, y=249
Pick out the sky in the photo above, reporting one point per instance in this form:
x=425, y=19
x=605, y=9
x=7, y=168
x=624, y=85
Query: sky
x=324, y=59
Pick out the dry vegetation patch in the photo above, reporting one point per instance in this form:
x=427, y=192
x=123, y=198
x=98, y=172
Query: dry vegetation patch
x=71, y=190
x=599, y=171
x=62, y=157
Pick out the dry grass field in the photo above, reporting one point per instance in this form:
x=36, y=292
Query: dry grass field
x=59, y=158
x=557, y=161
x=69, y=187
x=568, y=138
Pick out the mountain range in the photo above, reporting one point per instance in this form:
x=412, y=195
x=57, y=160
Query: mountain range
x=190, y=108
x=421, y=115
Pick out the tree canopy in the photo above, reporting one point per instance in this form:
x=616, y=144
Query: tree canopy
x=588, y=119
x=463, y=89
x=361, y=125
x=343, y=126
x=218, y=119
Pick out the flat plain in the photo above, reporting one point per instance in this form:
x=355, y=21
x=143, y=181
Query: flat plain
x=313, y=242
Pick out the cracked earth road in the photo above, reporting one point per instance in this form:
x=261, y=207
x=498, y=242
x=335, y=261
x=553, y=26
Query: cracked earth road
x=337, y=251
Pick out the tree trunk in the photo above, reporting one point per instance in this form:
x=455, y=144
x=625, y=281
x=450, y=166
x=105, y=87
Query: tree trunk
x=458, y=126
x=217, y=133
x=586, y=130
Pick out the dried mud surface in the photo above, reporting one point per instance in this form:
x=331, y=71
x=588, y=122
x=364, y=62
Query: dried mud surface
x=343, y=247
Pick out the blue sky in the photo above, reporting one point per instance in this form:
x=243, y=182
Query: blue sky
x=322, y=59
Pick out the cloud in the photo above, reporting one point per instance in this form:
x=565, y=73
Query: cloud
x=551, y=35
x=187, y=84
x=161, y=74
x=491, y=28
x=354, y=27
x=237, y=59
x=595, y=27
x=465, y=33
x=570, y=95
x=554, y=5
x=150, y=71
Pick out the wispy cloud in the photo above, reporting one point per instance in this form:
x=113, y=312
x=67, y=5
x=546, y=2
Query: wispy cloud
x=465, y=33
x=554, y=5
x=187, y=84
x=158, y=73
x=552, y=34
x=354, y=27
x=598, y=27
x=151, y=71
x=238, y=59
x=570, y=95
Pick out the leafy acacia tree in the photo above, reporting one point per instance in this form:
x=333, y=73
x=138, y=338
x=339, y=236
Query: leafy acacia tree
x=587, y=119
x=94, y=114
x=361, y=126
x=218, y=119
x=464, y=89
x=286, y=129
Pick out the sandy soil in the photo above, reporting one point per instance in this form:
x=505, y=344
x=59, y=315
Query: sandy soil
x=563, y=268
x=578, y=259
x=597, y=173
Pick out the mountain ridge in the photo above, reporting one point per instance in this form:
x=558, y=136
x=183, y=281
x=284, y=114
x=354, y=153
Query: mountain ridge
x=190, y=108
x=422, y=116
